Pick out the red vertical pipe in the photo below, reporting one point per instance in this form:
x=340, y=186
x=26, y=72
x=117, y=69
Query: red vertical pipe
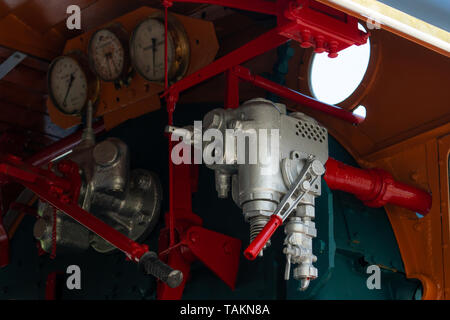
x=166, y=75
x=232, y=90
x=376, y=187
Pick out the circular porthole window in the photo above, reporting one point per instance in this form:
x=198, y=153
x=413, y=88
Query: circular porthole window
x=334, y=80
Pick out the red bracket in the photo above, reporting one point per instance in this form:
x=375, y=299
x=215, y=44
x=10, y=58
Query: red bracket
x=319, y=26
x=309, y=22
x=184, y=240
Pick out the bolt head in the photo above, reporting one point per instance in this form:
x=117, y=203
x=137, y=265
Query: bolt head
x=306, y=185
x=317, y=168
x=332, y=55
x=306, y=211
x=175, y=278
x=105, y=153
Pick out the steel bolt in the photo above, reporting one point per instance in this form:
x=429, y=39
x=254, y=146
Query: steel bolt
x=306, y=185
x=105, y=153
x=306, y=39
x=319, y=44
x=333, y=49
x=317, y=168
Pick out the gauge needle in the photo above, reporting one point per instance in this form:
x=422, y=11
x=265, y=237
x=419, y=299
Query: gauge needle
x=72, y=78
x=108, y=58
x=111, y=61
x=154, y=54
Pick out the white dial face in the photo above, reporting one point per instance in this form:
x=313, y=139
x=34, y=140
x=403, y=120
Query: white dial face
x=147, y=49
x=107, y=55
x=68, y=85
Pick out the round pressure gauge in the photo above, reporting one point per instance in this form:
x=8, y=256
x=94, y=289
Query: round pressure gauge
x=108, y=53
x=71, y=84
x=148, y=52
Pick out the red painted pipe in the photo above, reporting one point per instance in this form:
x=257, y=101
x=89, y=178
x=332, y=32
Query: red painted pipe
x=376, y=187
x=62, y=146
x=246, y=75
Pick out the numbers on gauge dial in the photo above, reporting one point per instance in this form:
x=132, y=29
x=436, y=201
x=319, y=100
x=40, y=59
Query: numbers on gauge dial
x=68, y=85
x=107, y=55
x=148, y=50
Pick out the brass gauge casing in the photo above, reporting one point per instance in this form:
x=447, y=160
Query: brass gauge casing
x=108, y=53
x=71, y=83
x=147, y=49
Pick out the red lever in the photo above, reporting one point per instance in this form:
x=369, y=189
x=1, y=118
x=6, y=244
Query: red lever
x=260, y=241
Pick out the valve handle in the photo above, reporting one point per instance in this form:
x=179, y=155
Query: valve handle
x=261, y=239
x=150, y=264
x=307, y=177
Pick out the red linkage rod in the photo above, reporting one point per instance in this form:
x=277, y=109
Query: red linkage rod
x=133, y=250
x=246, y=75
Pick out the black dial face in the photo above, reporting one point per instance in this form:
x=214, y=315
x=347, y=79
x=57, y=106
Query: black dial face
x=147, y=50
x=107, y=55
x=68, y=85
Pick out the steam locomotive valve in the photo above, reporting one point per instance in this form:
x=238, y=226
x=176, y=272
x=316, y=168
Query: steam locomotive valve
x=275, y=183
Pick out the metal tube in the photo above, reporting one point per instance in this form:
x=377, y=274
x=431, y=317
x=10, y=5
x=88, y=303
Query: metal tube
x=60, y=147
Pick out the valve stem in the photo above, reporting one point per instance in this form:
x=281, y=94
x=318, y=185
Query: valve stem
x=256, y=225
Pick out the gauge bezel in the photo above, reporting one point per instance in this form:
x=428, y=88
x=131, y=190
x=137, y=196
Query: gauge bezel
x=181, y=60
x=93, y=82
x=121, y=34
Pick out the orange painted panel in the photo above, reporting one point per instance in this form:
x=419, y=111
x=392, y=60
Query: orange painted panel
x=444, y=155
x=203, y=47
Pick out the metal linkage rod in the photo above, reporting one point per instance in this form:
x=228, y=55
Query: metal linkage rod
x=62, y=146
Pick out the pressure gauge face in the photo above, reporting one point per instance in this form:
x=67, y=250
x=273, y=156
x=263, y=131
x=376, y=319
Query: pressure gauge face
x=147, y=49
x=107, y=55
x=68, y=85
